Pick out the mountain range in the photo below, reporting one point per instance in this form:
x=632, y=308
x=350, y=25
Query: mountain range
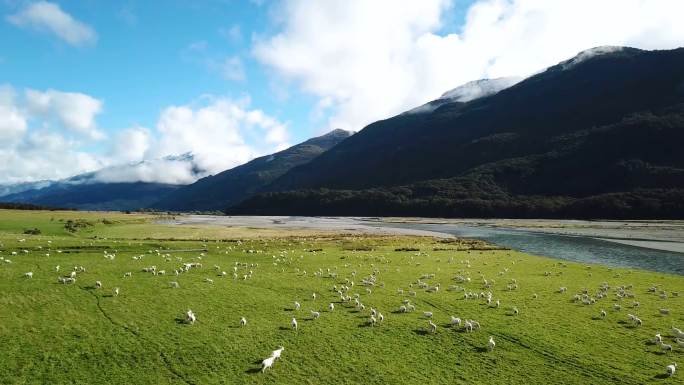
x=595, y=136
x=599, y=135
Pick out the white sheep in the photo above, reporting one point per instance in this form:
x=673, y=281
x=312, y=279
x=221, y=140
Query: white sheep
x=116, y=291
x=664, y=311
x=670, y=369
x=28, y=274
x=468, y=326
x=276, y=353
x=679, y=342
x=456, y=321
x=402, y=309
x=372, y=321
x=243, y=321
x=331, y=307
x=433, y=326
x=127, y=274
x=603, y=313
x=294, y=323
x=174, y=285
x=313, y=296
x=190, y=317
x=491, y=344
x=267, y=363
x=297, y=305
x=665, y=346
x=380, y=317
x=98, y=284
x=315, y=314
x=427, y=314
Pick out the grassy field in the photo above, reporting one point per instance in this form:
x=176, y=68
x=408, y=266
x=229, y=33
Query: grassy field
x=53, y=333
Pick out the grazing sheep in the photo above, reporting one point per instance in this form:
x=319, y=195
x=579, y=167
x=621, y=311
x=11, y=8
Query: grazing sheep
x=29, y=274
x=116, y=291
x=455, y=321
x=57, y=268
x=315, y=314
x=670, y=369
x=534, y=296
x=127, y=274
x=658, y=339
x=410, y=307
x=313, y=296
x=294, y=323
x=515, y=310
x=664, y=311
x=433, y=327
x=427, y=314
x=603, y=313
x=276, y=353
x=402, y=309
x=678, y=333
x=297, y=305
x=616, y=307
x=267, y=363
x=491, y=344
x=243, y=321
x=190, y=317
x=380, y=317
x=679, y=342
x=665, y=347
x=331, y=307
x=372, y=321
x=98, y=284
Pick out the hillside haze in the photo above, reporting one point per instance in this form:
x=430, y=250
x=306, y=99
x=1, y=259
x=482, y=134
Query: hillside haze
x=222, y=190
x=597, y=135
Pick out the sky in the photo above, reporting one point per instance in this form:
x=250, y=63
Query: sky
x=87, y=84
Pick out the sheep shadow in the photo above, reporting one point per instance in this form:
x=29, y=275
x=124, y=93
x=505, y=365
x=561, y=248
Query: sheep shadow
x=661, y=376
x=364, y=325
x=421, y=332
x=481, y=349
x=283, y=328
x=180, y=321
x=89, y=288
x=288, y=309
x=253, y=370
x=107, y=295
x=397, y=312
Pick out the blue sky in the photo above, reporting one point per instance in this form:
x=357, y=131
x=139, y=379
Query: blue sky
x=94, y=83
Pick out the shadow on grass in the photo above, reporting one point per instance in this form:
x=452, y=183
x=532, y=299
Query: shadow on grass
x=288, y=309
x=283, y=328
x=180, y=321
x=107, y=295
x=421, y=332
x=481, y=349
x=661, y=376
x=253, y=370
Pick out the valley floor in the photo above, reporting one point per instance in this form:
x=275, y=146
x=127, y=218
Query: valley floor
x=59, y=333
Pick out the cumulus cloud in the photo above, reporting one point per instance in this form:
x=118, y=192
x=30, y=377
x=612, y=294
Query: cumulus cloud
x=34, y=128
x=44, y=155
x=189, y=141
x=12, y=120
x=366, y=67
x=76, y=111
x=49, y=17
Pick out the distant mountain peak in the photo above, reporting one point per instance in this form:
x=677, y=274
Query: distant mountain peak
x=479, y=88
x=468, y=92
x=591, y=53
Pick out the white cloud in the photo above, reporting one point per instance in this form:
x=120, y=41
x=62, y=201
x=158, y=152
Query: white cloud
x=230, y=68
x=233, y=34
x=44, y=155
x=12, y=121
x=76, y=111
x=368, y=67
x=49, y=17
x=213, y=132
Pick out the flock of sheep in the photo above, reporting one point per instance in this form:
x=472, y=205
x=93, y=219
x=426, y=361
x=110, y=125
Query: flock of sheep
x=352, y=291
